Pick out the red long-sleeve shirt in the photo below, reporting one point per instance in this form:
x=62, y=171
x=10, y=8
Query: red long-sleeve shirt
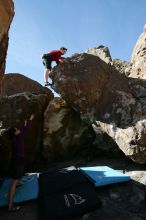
x=56, y=55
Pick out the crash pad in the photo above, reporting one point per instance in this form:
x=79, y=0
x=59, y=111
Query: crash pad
x=27, y=191
x=104, y=175
x=64, y=194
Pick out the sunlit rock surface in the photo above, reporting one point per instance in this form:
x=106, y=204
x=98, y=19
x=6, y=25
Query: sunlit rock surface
x=138, y=57
x=17, y=83
x=101, y=94
x=6, y=16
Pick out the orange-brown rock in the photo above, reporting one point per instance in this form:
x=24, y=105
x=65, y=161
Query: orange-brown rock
x=17, y=83
x=93, y=88
x=100, y=94
x=6, y=16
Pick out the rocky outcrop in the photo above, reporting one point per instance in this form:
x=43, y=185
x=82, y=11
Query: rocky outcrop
x=17, y=83
x=22, y=97
x=131, y=140
x=138, y=58
x=13, y=112
x=92, y=88
x=102, y=52
x=101, y=94
x=6, y=16
x=65, y=135
x=123, y=67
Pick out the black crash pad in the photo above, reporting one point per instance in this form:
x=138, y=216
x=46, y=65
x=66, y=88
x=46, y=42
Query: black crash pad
x=64, y=195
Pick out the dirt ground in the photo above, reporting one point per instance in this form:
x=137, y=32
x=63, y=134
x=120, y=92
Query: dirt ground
x=122, y=201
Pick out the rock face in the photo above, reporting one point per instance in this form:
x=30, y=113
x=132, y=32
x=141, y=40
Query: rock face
x=94, y=94
x=6, y=16
x=92, y=88
x=22, y=97
x=138, y=58
x=131, y=140
x=102, y=52
x=65, y=135
x=13, y=112
x=123, y=67
x=17, y=83
x=102, y=95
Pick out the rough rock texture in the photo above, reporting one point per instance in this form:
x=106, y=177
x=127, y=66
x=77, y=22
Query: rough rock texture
x=65, y=135
x=13, y=112
x=21, y=97
x=102, y=52
x=138, y=58
x=131, y=140
x=17, y=83
x=92, y=88
x=123, y=67
x=6, y=16
x=102, y=95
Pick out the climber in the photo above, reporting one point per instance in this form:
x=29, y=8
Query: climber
x=17, y=136
x=54, y=55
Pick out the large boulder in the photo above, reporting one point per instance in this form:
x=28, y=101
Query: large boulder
x=13, y=112
x=22, y=97
x=6, y=16
x=94, y=89
x=99, y=93
x=131, y=140
x=65, y=135
x=17, y=83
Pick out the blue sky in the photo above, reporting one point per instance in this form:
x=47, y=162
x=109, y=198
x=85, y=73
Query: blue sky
x=43, y=25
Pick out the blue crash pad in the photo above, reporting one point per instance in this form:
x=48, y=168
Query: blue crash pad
x=27, y=191
x=104, y=175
